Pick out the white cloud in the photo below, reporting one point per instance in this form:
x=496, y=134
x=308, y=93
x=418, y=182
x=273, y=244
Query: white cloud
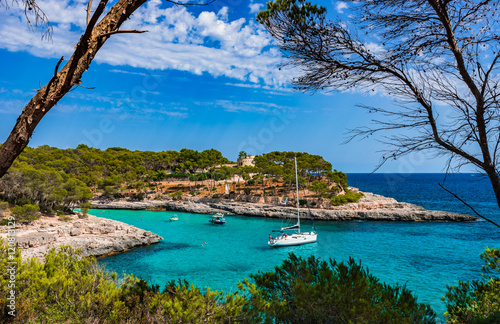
x=375, y=49
x=177, y=39
x=248, y=106
x=127, y=72
x=13, y=107
x=255, y=7
x=340, y=6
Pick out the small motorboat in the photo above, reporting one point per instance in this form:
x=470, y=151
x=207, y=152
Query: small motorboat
x=174, y=218
x=218, y=219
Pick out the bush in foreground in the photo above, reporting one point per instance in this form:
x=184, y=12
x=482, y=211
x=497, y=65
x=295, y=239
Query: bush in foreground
x=314, y=291
x=477, y=301
x=71, y=289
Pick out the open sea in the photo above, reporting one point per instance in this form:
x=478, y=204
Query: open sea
x=425, y=256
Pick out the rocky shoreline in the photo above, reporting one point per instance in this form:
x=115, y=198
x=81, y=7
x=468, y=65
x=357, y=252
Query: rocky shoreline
x=371, y=207
x=100, y=237
x=94, y=236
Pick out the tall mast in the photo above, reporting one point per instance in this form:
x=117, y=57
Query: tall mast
x=297, y=185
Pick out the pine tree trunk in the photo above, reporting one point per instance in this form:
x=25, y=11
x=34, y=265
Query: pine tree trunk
x=47, y=97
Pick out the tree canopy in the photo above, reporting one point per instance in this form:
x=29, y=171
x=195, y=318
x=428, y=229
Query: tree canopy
x=56, y=178
x=437, y=59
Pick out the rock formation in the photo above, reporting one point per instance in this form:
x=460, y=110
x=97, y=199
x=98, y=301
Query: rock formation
x=92, y=235
x=371, y=207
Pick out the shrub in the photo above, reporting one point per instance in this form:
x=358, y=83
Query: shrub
x=109, y=192
x=176, y=194
x=64, y=218
x=85, y=207
x=27, y=212
x=3, y=207
x=302, y=202
x=118, y=195
x=216, y=196
x=329, y=292
x=477, y=301
x=247, y=191
x=69, y=288
x=347, y=198
x=137, y=196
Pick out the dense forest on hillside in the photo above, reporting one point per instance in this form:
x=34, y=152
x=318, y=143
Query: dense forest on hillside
x=58, y=179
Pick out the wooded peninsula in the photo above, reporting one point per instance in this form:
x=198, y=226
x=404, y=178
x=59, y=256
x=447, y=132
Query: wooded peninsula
x=52, y=180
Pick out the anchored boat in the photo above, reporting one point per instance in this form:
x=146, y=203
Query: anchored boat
x=218, y=219
x=296, y=237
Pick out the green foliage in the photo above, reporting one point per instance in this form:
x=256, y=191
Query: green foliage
x=242, y=154
x=247, y=191
x=64, y=218
x=338, y=177
x=3, y=207
x=313, y=291
x=70, y=289
x=178, y=193
x=49, y=188
x=302, y=202
x=319, y=187
x=348, y=197
x=477, y=301
x=300, y=12
x=216, y=196
x=85, y=207
x=137, y=196
x=27, y=212
x=109, y=192
x=279, y=164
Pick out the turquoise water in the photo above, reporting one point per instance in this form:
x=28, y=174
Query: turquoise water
x=424, y=256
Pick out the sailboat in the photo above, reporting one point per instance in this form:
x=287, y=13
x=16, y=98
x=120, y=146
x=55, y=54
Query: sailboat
x=296, y=238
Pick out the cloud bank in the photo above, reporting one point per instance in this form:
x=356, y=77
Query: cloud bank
x=177, y=39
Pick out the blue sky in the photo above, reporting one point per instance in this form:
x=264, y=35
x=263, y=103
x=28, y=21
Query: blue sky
x=203, y=77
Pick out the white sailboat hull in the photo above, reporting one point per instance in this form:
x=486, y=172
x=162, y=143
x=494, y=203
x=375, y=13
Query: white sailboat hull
x=294, y=239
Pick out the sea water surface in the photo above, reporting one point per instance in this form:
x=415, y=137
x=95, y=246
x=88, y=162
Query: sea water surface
x=424, y=256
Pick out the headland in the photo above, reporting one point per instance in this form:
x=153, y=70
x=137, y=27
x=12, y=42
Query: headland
x=370, y=207
x=94, y=236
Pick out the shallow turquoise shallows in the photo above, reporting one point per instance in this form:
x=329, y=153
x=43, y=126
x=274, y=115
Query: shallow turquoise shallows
x=424, y=256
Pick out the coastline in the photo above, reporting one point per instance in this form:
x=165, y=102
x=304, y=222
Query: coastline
x=371, y=207
x=101, y=237
x=94, y=236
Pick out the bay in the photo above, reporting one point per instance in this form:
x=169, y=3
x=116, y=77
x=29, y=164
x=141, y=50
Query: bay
x=426, y=257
